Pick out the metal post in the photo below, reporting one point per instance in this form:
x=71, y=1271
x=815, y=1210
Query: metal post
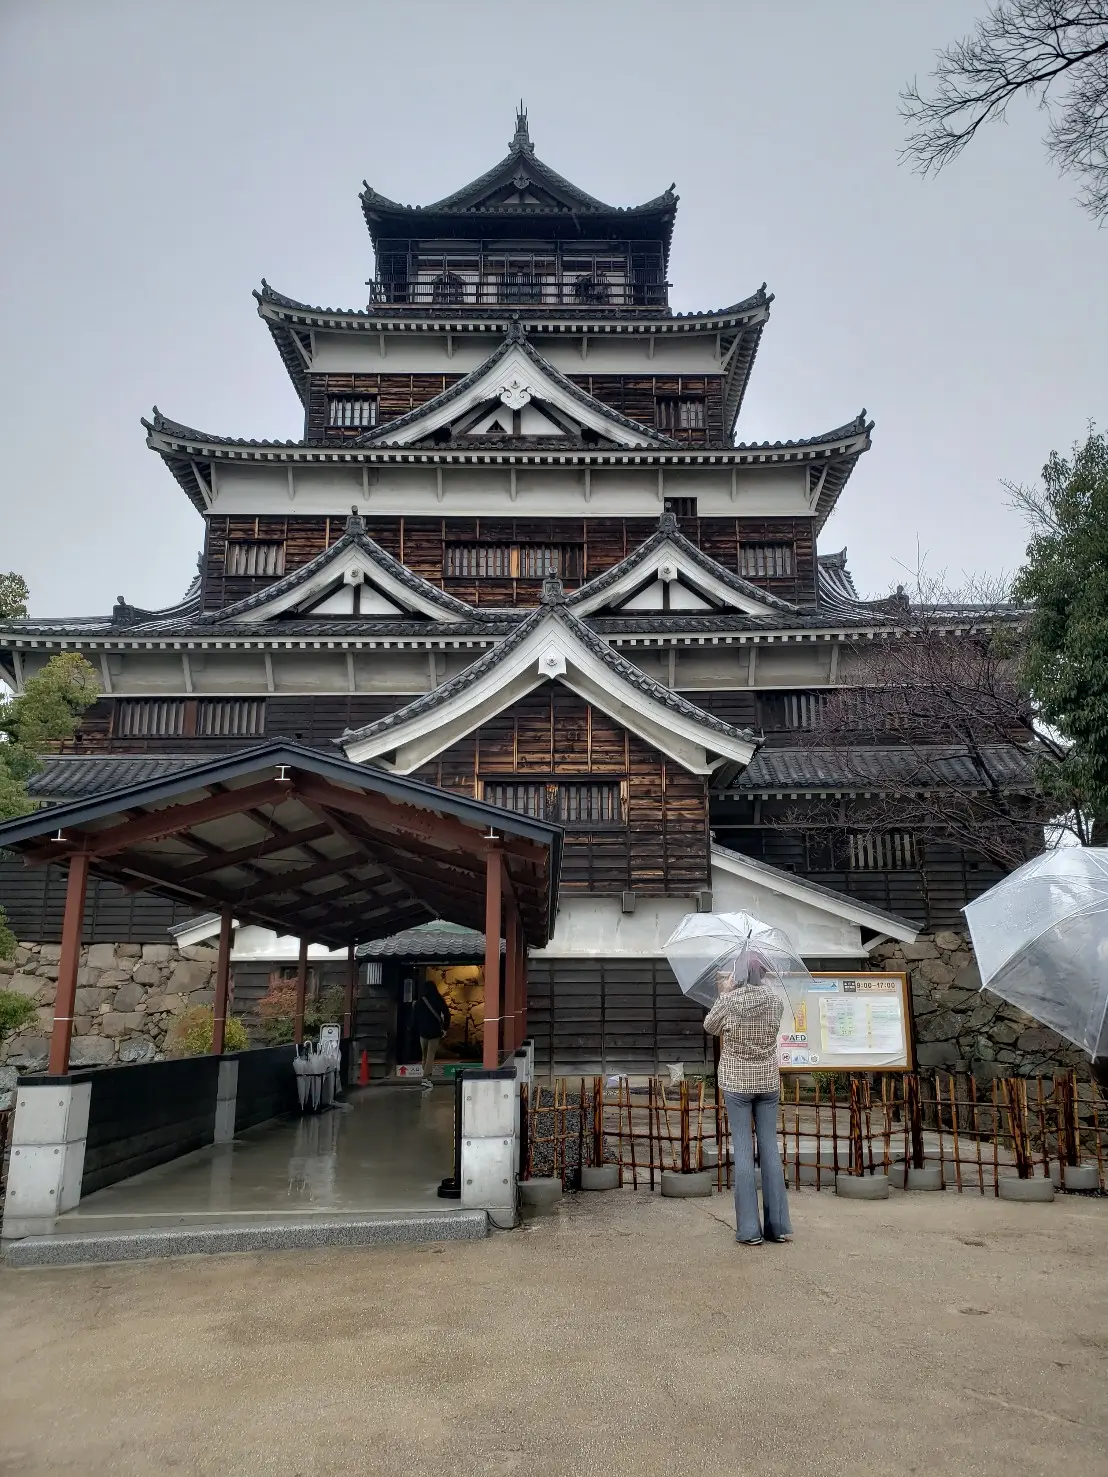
x=493, y=882
x=222, y=978
x=301, y=992
x=511, y=978
x=72, y=921
x=348, y=1003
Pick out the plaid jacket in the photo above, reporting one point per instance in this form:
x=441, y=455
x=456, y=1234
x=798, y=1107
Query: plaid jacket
x=747, y=1020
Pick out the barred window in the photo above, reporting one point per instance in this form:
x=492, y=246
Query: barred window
x=791, y=710
x=344, y=411
x=766, y=561
x=150, y=718
x=681, y=507
x=189, y=718
x=255, y=557
x=681, y=413
x=881, y=851
x=230, y=718
x=582, y=804
x=513, y=561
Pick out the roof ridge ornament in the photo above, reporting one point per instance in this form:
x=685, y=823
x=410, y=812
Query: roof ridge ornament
x=355, y=524
x=521, y=139
x=553, y=591
x=667, y=523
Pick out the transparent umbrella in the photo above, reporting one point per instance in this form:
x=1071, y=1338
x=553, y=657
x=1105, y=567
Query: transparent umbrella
x=1041, y=940
x=703, y=945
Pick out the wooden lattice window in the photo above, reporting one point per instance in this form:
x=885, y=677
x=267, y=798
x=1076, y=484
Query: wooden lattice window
x=255, y=558
x=681, y=507
x=150, y=718
x=579, y=804
x=792, y=710
x=881, y=851
x=767, y=561
x=230, y=717
x=348, y=412
x=513, y=561
x=682, y=413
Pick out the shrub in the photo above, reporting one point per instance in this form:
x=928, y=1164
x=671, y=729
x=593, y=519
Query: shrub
x=193, y=1032
x=16, y=1011
x=277, y=1011
x=7, y=938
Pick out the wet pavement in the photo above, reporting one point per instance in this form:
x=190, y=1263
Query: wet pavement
x=383, y=1150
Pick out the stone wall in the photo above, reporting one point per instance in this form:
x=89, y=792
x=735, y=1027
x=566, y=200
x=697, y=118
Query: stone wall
x=960, y=1030
x=128, y=997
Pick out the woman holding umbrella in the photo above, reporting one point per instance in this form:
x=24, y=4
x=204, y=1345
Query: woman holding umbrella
x=747, y=1018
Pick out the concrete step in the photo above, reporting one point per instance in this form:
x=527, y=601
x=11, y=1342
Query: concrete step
x=301, y=1233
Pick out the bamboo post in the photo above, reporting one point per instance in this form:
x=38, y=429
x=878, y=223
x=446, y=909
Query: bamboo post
x=1040, y=1113
x=857, y=1165
x=996, y=1143
x=819, y=1134
x=914, y=1113
x=580, y=1129
x=1095, y=1102
x=939, y=1126
x=954, y=1131
x=976, y=1132
x=631, y=1137
x=683, y=1128
x=834, y=1124
x=1015, y=1093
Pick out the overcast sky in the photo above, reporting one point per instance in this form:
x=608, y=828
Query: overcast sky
x=158, y=159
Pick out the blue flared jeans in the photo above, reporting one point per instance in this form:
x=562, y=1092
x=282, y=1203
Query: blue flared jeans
x=757, y=1110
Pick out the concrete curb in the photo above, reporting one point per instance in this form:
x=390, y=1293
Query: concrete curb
x=540, y=1192
x=930, y=1177
x=600, y=1177
x=1012, y=1188
x=1081, y=1177
x=287, y=1235
x=678, y=1186
x=862, y=1186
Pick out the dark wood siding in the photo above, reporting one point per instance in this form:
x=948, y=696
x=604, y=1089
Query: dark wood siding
x=663, y=846
x=34, y=898
x=421, y=543
x=611, y=1015
x=637, y=396
x=396, y=395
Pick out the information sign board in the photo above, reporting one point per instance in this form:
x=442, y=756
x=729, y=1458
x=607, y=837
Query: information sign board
x=849, y=1023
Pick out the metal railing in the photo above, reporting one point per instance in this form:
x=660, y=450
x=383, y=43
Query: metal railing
x=644, y=290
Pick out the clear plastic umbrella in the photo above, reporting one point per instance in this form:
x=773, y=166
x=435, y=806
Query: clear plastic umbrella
x=1041, y=940
x=706, y=945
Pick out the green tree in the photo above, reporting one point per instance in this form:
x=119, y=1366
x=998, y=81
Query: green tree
x=45, y=713
x=13, y=596
x=1065, y=581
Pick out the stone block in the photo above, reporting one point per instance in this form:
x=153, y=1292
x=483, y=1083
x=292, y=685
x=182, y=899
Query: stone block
x=50, y=953
x=29, y=1052
x=200, y=954
x=82, y=1025
x=944, y=1025
x=939, y=1054
x=968, y=978
x=137, y=1049
x=1037, y=1039
x=147, y=974
x=48, y=971
x=24, y=984
x=949, y=941
x=101, y=956
x=22, y=955
x=88, y=978
x=935, y=972
x=188, y=976
x=129, y=951
x=201, y=997
x=157, y=953
x=921, y=949
x=85, y=1001
x=7, y=966
x=91, y=1051
x=46, y=1017
x=128, y=997
x=111, y=979
x=118, y=1023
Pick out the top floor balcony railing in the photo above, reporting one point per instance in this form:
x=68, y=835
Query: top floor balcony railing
x=451, y=290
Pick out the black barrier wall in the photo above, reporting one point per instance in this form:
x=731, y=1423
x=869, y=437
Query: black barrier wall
x=266, y=1087
x=146, y=1114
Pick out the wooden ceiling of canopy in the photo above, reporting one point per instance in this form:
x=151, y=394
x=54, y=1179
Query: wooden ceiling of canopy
x=315, y=847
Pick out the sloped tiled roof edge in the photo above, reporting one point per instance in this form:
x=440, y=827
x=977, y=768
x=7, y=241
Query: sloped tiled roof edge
x=669, y=532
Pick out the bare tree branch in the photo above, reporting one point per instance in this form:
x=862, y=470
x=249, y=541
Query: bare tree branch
x=1055, y=51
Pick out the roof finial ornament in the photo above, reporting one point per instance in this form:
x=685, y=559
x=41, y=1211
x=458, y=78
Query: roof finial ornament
x=521, y=139
x=667, y=523
x=553, y=591
x=355, y=524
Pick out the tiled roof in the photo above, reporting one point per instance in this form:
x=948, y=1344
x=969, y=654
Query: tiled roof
x=75, y=776
x=429, y=941
x=877, y=768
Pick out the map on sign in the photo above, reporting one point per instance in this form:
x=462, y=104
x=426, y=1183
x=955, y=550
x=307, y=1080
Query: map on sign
x=848, y=1023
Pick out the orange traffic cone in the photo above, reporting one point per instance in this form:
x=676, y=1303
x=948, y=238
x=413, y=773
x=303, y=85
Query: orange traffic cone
x=363, y=1070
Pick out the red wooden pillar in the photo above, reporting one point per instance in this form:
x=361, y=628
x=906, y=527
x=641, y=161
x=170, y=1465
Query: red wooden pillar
x=348, y=1003
x=301, y=992
x=521, y=1028
x=74, y=917
x=222, y=983
x=511, y=977
x=493, y=884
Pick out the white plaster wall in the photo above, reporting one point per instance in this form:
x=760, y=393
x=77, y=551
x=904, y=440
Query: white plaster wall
x=358, y=352
x=786, y=666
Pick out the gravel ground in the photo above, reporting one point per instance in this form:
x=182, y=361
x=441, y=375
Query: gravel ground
x=621, y=1334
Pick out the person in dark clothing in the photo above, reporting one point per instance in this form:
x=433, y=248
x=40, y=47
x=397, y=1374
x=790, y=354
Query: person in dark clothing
x=432, y=1023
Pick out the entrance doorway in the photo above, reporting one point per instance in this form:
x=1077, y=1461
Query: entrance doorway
x=462, y=986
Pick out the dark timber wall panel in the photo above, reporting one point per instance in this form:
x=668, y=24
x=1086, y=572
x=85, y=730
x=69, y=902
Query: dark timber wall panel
x=35, y=901
x=611, y=1015
x=266, y=1085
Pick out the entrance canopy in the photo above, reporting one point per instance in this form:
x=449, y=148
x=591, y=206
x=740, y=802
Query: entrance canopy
x=333, y=852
